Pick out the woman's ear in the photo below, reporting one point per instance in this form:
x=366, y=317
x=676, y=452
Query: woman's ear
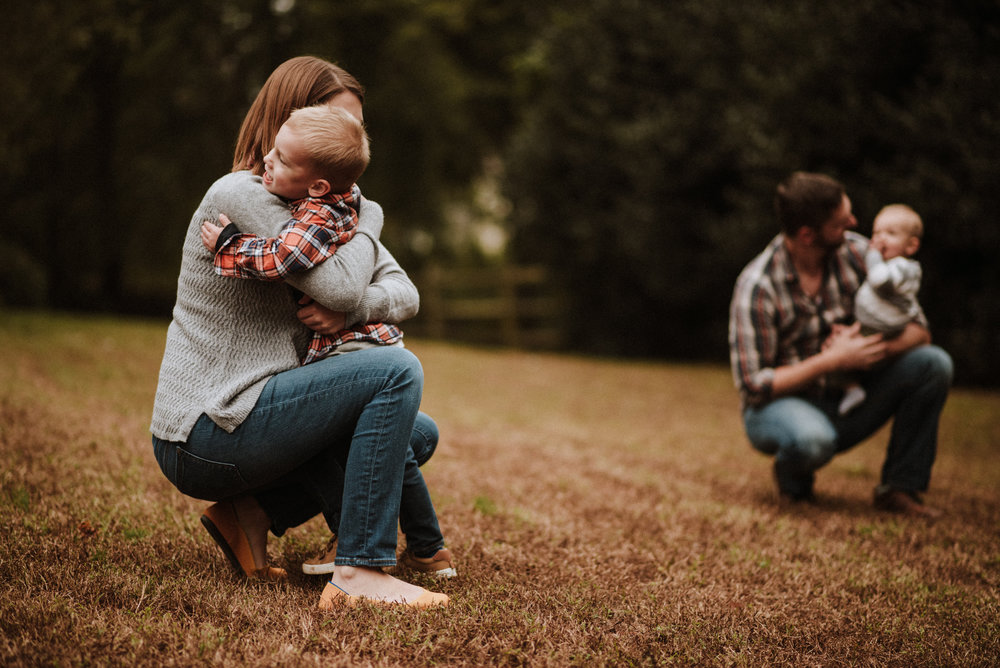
x=319, y=187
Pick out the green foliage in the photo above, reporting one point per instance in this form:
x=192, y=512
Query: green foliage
x=624, y=163
x=125, y=112
x=121, y=114
x=654, y=134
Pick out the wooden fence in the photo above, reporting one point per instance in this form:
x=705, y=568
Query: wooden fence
x=506, y=305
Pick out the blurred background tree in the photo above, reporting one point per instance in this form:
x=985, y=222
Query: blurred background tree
x=630, y=147
x=653, y=135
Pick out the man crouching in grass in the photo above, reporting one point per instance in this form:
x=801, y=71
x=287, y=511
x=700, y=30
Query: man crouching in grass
x=791, y=324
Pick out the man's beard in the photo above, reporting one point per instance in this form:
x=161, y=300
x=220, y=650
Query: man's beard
x=829, y=246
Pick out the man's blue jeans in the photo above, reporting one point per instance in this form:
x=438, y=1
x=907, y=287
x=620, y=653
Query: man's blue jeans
x=803, y=435
x=343, y=425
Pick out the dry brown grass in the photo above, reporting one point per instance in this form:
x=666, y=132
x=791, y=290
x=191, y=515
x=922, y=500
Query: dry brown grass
x=603, y=513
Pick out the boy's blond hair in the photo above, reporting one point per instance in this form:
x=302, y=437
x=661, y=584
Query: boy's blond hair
x=906, y=213
x=335, y=141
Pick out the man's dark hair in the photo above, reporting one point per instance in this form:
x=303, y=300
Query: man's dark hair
x=806, y=200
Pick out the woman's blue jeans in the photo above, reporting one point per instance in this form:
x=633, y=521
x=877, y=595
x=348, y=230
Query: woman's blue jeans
x=803, y=435
x=340, y=432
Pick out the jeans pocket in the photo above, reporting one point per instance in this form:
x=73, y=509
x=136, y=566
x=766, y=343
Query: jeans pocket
x=207, y=479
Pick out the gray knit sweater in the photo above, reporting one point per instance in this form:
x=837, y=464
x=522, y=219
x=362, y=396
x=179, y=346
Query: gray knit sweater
x=229, y=336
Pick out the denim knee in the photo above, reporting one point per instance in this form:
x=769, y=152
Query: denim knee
x=936, y=364
x=792, y=429
x=813, y=447
x=424, y=439
x=404, y=365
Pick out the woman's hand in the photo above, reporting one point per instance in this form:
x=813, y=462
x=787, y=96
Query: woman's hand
x=319, y=318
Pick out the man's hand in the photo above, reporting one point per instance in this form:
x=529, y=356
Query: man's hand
x=319, y=318
x=210, y=232
x=848, y=349
x=845, y=349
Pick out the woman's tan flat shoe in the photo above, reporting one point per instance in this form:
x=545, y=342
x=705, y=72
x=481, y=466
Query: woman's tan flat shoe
x=223, y=525
x=333, y=595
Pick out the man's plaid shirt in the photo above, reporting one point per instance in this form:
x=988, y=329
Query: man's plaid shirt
x=318, y=226
x=773, y=323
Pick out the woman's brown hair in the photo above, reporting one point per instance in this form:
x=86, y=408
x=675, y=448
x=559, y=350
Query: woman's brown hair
x=299, y=82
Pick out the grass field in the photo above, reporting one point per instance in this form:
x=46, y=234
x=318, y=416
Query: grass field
x=603, y=513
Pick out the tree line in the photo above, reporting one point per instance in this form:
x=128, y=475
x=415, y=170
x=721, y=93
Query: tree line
x=630, y=147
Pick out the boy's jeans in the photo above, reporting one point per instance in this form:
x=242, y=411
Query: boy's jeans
x=804, y=435
x=417, y=518
x=343, y=423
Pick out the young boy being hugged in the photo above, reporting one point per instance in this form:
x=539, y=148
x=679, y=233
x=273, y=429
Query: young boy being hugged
x=318, y=155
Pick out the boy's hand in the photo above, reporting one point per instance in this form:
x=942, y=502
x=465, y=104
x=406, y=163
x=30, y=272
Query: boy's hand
x=210, y=232
x=319, y=318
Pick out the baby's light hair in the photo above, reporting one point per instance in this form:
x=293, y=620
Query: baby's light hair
x=916, y=224
x=336, y=142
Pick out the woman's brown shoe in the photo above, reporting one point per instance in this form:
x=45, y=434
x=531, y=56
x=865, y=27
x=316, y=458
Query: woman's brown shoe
x=223, y=525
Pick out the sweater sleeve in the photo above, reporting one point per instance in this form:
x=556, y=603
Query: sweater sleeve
x=391, y=297
x=896, y=276
x=339, y=282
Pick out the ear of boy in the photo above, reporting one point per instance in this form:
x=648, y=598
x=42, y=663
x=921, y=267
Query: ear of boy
x=319, y=187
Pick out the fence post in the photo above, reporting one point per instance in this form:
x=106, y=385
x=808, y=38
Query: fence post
x=509, y=327
x=432, y=301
